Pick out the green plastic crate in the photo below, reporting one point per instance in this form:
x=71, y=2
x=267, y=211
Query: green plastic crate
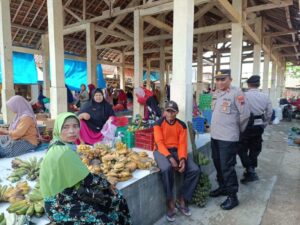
x=129, y=139
x=122, y=130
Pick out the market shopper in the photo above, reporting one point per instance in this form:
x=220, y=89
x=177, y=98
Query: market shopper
x=93, y=116
x=229, y=118
x=83, y=96
x=170, y=135
x=251, y=139
x=71, y=194
x=22, y=135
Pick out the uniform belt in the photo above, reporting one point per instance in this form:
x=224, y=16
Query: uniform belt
x=258, y=117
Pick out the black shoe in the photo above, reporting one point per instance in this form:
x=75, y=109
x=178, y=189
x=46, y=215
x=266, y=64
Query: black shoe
x=217, y=192
x=250, y=177
x=230, y=203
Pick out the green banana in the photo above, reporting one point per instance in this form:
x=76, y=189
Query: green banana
x=38, y=208
x=23, y=210
x=30, y=210
x=16, y=206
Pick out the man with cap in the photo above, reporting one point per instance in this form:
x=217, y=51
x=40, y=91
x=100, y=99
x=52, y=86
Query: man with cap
x=229, y=118
x=251, y=139
x=170, y=135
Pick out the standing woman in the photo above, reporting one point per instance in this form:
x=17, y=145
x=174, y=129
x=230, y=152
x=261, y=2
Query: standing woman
x=83, y=95
x=93, y=116
x=22, y=135
x=71, y=194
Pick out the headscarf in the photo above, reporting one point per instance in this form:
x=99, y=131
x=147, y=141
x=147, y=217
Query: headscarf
x=21, y=107
x=61, y=167
x=91, y=89
x=99, y=112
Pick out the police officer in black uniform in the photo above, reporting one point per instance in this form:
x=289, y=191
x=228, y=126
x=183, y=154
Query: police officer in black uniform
x=251, y=139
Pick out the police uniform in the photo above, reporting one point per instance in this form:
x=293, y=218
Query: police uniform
x=230, y=117
x=251, y=139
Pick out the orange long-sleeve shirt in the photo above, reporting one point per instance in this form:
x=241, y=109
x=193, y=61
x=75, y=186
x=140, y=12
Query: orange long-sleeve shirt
x=168, y=135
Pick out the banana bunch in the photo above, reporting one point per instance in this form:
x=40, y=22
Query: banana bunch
x=3, y=190
x=13, y=195
x=2, y=219
x=32, y=205
x=201, y=193
x=24, y=187
x=30, y=167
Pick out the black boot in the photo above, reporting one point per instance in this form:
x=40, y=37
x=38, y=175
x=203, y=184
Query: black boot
x=217, y=192
x=249, y=176
x=230, y=202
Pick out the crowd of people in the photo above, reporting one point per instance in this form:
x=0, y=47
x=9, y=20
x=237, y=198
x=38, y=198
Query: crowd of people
x=73, y=195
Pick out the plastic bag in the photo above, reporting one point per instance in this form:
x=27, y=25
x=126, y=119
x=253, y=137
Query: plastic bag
x=109, y=129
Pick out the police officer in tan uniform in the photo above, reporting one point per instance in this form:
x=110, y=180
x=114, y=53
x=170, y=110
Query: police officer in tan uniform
x=229, y=118
x=251, y=139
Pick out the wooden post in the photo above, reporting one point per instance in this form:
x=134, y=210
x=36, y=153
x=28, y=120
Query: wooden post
x=273, y=85
x=46, y=77
x=58, y=92
x=121, y=72
x=199, y=67
x=138, y=59
x=162, y=73
x=91, y=54
x=148, y=74
x=6, y=59
x=257, y=48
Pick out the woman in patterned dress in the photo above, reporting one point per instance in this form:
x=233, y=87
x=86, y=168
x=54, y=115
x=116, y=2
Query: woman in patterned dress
x=72, y=195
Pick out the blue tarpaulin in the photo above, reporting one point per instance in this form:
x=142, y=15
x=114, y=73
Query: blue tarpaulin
x=154, y=76
x=24, y=69
x=76, y=74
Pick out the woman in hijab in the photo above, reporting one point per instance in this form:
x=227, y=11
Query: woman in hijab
x=93, y=116
x=83, y=95
x=71, y=194
x=91, y=89
x=22, y=135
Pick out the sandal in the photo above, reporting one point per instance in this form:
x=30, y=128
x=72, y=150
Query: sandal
x=184, y=210
x=170, y=216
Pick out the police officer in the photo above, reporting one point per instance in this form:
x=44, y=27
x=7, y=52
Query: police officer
x=230, y=117
x=251, y=139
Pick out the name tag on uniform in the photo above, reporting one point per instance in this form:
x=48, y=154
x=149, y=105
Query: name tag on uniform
x=225, y=107
x=258, y=122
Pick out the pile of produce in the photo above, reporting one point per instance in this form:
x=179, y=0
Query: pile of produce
x=117, y=165
x=31, y=205
x=30, y=167
x=14, y=194
x=2, y=219
x=201, y=193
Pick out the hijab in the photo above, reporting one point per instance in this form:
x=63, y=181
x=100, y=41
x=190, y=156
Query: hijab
x=99, y=112
x=21, y=107
x=61, y=167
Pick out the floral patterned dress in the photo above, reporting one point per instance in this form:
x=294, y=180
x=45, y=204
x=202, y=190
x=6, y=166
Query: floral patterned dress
x=67, y=208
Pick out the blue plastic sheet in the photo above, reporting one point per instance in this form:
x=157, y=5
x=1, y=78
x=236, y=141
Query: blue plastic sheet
x=24, y=69
x=154, y=76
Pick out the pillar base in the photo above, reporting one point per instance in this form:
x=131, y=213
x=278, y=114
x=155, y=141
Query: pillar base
x=58, y=101
x=6, y=113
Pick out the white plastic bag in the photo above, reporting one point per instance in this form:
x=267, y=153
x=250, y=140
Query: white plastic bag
x=109, y=129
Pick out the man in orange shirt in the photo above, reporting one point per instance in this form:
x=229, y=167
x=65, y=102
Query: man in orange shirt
x=170, y=136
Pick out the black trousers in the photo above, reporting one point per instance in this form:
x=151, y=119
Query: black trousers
x=224, y=158
x=250, y=146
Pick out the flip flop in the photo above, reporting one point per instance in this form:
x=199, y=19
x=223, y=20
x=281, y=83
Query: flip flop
x=184, y=210
x=170, y=216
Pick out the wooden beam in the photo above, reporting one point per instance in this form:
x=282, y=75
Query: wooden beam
x=225, y=7
x=275, y=25
x=251, y=34
x=124, y=30
x=72, y=29
x=291, y=55
x=293, y=44
x=84, y=9
x=117, y=34
x=212, y=28
x=203, y=10
x=263, y=7
x=281, y=33
x=72, y=14
x=157, y=23
x=19, y=26
x=27, y=50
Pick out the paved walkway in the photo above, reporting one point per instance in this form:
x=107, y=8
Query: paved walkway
x=273, y=200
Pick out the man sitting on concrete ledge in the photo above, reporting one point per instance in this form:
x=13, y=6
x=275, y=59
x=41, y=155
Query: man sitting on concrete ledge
x=170, y=136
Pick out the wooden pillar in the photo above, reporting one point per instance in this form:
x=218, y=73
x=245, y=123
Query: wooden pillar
x=236, y=47
x=213, y=72
x=46, y=77
x=218, y=61
x=91, y=54
x=58, y=92
x=199, y=67
x=148, y=74
x=168, y=74
x=121, y=72
x=257, y=48
x=6, y=59
x=138, y=59
x=266, y=73
x=181, y=86
x=162, y=73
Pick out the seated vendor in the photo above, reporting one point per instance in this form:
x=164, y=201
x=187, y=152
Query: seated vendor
x=93, y=116
x=22, y=135
x=72, y=194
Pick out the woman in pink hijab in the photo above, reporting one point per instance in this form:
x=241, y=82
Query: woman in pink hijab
x=22, y=135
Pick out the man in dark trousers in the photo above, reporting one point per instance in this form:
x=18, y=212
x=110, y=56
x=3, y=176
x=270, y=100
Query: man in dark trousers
x=251, y=139
x=170, y=135
x=229, y=118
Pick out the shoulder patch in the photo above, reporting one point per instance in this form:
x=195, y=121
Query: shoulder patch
x=182, y=123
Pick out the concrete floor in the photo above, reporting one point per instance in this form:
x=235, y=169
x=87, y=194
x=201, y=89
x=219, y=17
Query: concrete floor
x=273, y=200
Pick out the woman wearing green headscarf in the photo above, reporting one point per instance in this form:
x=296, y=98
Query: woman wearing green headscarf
x=73, y=195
